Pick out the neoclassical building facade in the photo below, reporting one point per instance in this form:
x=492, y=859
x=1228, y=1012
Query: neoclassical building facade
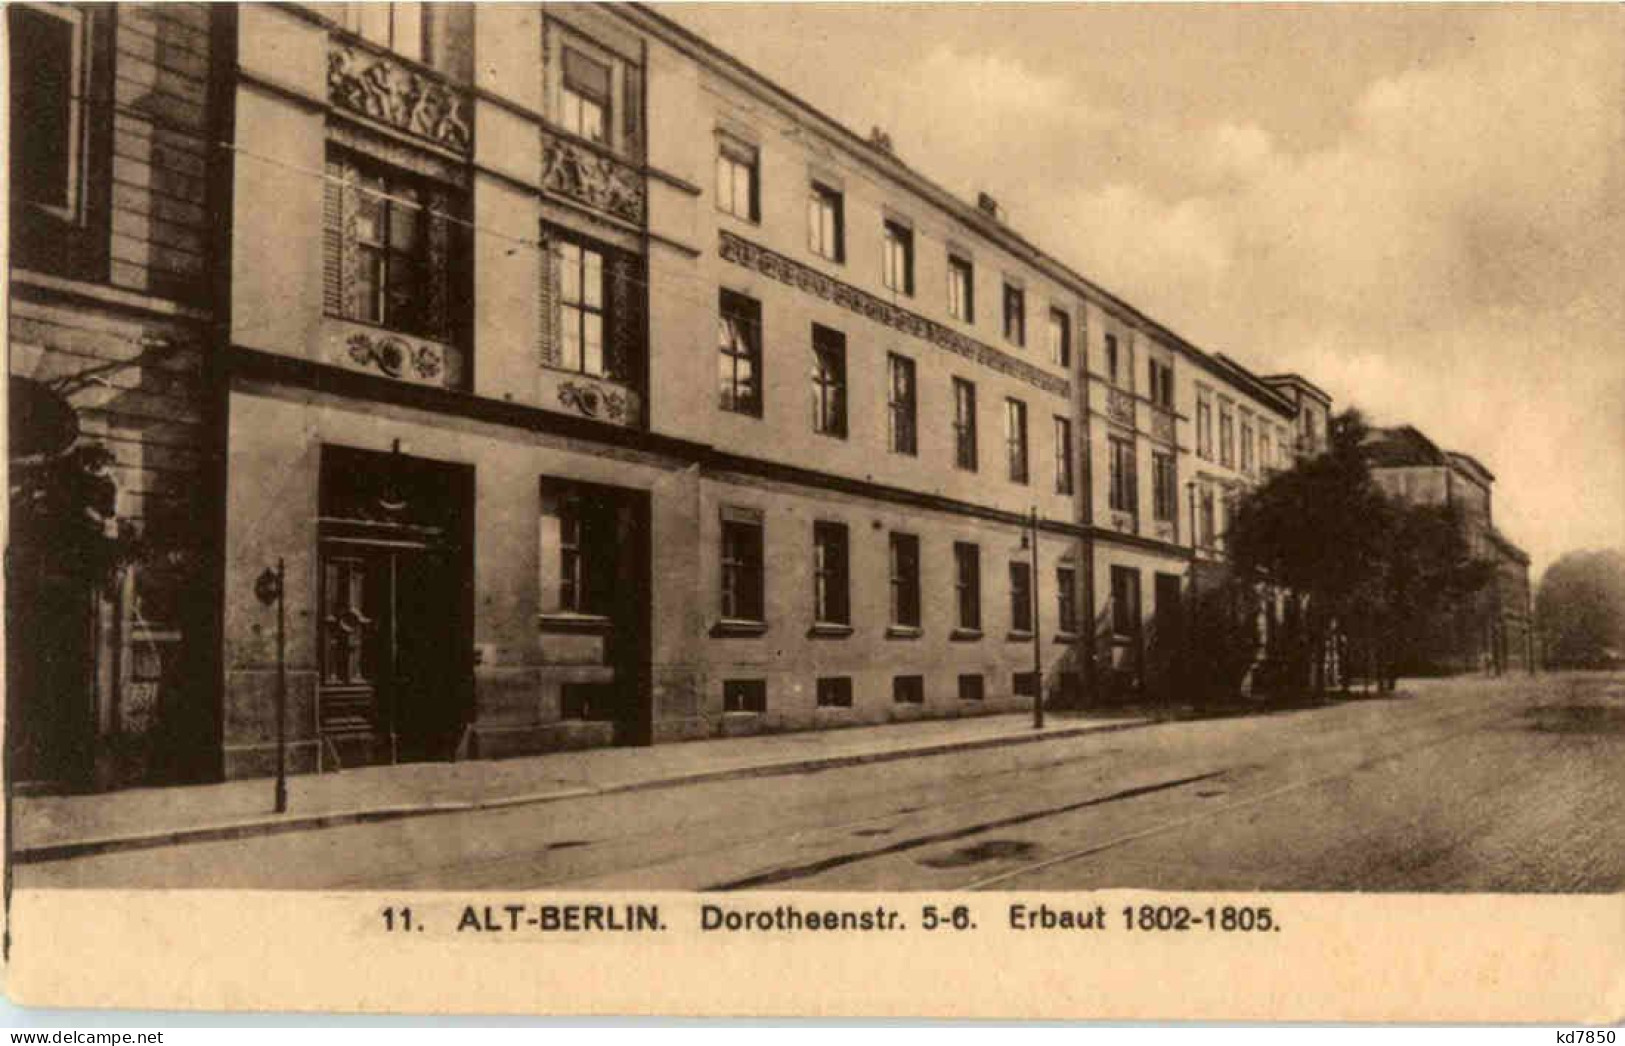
x=591, y=388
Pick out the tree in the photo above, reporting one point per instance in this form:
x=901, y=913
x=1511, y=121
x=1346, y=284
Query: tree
x=1316, y=530
x=1363, y=569
x=1580, y=608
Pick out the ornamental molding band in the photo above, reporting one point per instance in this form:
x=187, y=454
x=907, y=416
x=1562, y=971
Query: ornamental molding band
x=398, y=356
x=810, y=281
x=578, y=172
x=383, y=88
x=1120, y=407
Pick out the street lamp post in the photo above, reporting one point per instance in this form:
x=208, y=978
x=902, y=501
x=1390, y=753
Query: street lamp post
x=1038, y=645
x=269, y=588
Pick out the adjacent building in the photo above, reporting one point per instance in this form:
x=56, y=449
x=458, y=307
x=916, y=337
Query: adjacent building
x=587, y=387
x=114, y=111
x=1490, y=631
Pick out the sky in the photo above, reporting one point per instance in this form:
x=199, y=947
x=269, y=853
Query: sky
x=1421, y=208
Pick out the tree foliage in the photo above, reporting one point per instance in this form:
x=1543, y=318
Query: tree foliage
x=1581, y=609
x=63, y=522
x=1369, y=570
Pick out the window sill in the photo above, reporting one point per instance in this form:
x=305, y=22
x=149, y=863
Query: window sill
x=564, y=621
x=1017, y=635
x=742, y=713
x=965, y=635
x=1067, y=637
x=829, y=630
x=904, y=632
x=735, y=627
x=833, y=708
x=830, y=434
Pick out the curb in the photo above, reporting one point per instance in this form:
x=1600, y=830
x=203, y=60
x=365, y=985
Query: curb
x=272, y=825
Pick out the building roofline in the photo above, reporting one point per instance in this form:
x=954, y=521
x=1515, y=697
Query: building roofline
x=1508, y=546
x=1472, y=463
x=1257, y=385
x=1441, y=458
x=1294, y=378
x=895, y=167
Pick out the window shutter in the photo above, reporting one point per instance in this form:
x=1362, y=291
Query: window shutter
x=443, y=237
x=333, y=297
x=548, y=288
x=626, y=315
x=632, y=122
x=350, y=258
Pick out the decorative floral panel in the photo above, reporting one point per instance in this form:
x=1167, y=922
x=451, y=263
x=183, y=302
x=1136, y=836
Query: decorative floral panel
x=811, y=281
x=357, y=346
x=579, y=172
x=381, y=87
x=1124, y=522
x=1120, y=407
x=1162, y=426
x=590, y=396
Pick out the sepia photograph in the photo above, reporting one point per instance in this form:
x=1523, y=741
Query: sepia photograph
x=807, y=449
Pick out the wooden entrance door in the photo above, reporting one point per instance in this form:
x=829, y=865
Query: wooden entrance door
x=395, y=605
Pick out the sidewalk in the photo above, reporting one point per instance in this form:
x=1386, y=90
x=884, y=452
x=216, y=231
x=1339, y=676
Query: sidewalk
x=54, y=827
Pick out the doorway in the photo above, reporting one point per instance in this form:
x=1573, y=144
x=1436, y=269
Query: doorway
x=395, y=607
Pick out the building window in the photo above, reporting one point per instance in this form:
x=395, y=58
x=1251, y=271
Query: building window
x=908, y=690
x=1060, y=338
x=971, y=688
x=581, y=308
x=961, y=289
x=825, y=224
x=586, y=701
x=1066, y=596
x=829, y=382
x=965, y=424
x=48, y=90
x=905, y=580
x=586, y=96
x=744, y=695
x=900, y=405
x=1114, y=360
x=572, y=576
x=1125, y=601
x=1162, y=384
x=1164, y=487
x=390, y=244
x=1227, y=435
x=1063, y=455
x=1208, y=527
x=1024, y=684
x=1246, y=442
x=834, y=692
x=1125, y=496
x=742, y=577
x=1204, y=424
x=399, y=27
x=968, y=586
x=1021, y=597
x=1015, y=315
x=738, y=192
x=897, y=261
x=1266, y=453
x=1015, y=439
x=831, y=581
x=739, y=353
